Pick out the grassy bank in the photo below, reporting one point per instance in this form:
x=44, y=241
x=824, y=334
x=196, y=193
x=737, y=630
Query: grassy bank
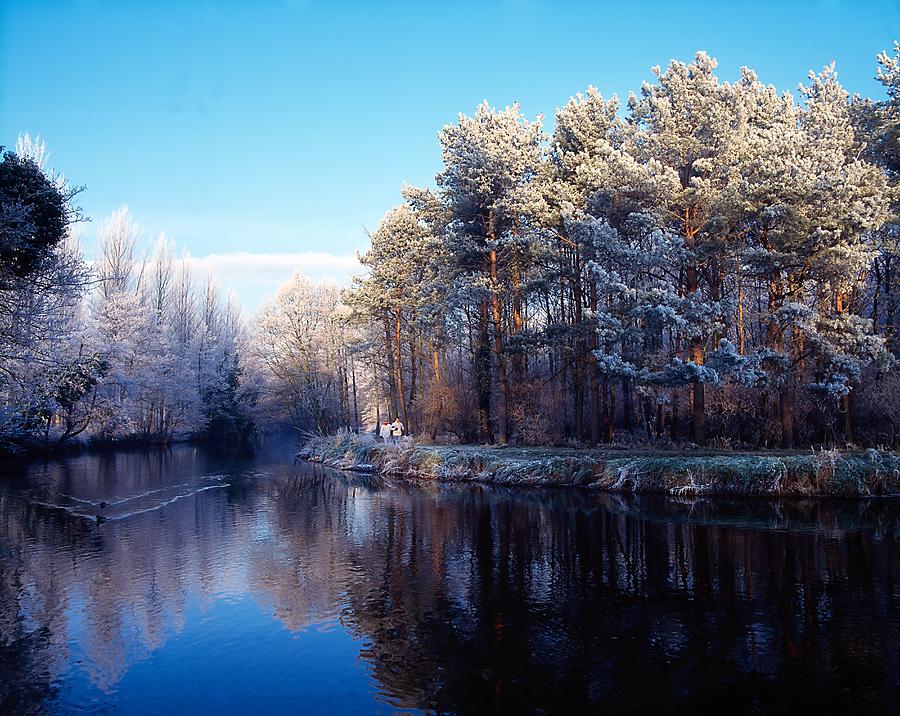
x=827, y=472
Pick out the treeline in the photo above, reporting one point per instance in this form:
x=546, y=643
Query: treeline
x=129, y=349
x=305, y=362
x=714, y=262
x=135, y=348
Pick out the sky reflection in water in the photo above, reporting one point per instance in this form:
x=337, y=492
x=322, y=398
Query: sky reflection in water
x=225, y=586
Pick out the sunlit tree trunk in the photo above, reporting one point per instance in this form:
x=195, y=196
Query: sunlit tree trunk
x=398, y=347
x=592, y=368
x=393, y=404
x=518, y=358
x=482, y=367
x=499, y=357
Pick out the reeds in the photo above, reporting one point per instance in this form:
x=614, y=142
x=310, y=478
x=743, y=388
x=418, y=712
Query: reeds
x=826, y=472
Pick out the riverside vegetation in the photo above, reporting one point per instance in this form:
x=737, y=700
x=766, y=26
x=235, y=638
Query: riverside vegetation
x=813, y=473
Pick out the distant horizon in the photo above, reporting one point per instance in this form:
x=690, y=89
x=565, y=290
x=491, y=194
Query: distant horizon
x=278, y=157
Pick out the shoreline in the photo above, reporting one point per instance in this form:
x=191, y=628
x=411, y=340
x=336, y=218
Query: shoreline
x=825, y=473
x=60, y=452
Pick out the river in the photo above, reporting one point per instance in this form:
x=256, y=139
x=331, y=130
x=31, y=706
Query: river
x=225, y=585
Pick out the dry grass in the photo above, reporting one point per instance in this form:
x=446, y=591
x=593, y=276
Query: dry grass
x=828, y=472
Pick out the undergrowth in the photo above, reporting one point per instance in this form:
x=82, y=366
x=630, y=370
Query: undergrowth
x=827, y=472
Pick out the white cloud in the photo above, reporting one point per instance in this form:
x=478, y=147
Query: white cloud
x=254, y=276
x=265, y=268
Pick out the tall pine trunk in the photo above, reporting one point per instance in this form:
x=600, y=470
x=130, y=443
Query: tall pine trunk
x=674, y=425
x=393, y=404
x=610, y=417
x=787, y=417
x=518, y=358
x=483, y=373
x=398, y=347
x=695, y=345
x=698, y=393
x=847, y=414
x=592, y=368
x=842, y=305
x=499, y=357
x=413, y=424
x=775, y=337
x=355, y=398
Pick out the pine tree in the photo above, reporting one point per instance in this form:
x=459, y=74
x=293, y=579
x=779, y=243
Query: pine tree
x=491, y=161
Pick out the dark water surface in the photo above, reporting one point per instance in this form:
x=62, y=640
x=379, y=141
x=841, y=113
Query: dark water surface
x=224, y=586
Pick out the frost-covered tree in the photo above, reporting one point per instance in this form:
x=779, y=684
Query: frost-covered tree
x=879, y=124
x=299, y=349
x=172, y=351
x=714, y=242
x=584, y=158
x=718, y=236
x=42, y=281
x=689, y=140
x=131, y=350
x=847, y=198
x=491, y=162
x=398, y=294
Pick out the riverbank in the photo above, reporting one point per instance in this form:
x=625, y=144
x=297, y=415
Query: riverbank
x=25, y=451
x=810, y=473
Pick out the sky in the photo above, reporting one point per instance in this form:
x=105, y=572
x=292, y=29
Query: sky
x=267, y=137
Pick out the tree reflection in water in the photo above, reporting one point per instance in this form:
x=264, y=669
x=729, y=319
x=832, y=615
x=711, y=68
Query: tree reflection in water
x=466, y=598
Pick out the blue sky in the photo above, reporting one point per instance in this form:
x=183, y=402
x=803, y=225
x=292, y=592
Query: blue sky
x=282, y=129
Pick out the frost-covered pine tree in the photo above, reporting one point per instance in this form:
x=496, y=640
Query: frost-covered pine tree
x=586, y=166
x=687, y=136
x=774, y=183
x=491, y=161
x=848, y=198
x=879, y=124
x=395, y=294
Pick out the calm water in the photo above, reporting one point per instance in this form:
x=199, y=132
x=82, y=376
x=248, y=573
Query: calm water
x=225, y=586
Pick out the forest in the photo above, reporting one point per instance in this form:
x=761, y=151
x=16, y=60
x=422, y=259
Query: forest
x=708, y=263
x=712, y=263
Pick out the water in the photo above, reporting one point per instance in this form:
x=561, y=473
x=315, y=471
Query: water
x=225, y=586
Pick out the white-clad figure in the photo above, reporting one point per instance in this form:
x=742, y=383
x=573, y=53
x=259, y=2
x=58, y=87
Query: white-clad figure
x=386, y=432
x=396, y=430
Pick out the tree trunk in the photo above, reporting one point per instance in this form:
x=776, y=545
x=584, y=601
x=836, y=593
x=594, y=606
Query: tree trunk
x=673, y=425
x=648, y=416
x=609, y=413
x=698, y=394
x=398, y=346
x=580, y=344
x=393, y=405
x=435, y=363
x=579, y=390
x=592, y=368
x=695, y=355
x=775, y=339
x=518, y=358
x=355, y=401
x=740, y=292
x=483, y=374
x=627, y=405
x=787, y=417
x=413, y=425
x=889, y=302
x=875, y=296
x=499, y=357
x=847, y=413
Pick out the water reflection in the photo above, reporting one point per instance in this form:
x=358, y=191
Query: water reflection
x=456, y=598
